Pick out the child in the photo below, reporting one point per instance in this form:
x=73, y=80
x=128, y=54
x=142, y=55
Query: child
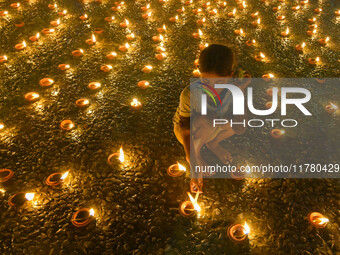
x=216, y=62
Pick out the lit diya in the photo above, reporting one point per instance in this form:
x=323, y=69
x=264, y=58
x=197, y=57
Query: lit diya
x=285, y=33
x=3, y=59
x=143, y=84
x=232, y=14
x=2, y=126
x=250, y=43
x=238, y=232
x=112, y=159
x=268, y=76
x=311, y=32
x=20, y=198
x=160, y=56
x=147, y=69
x=34, y=38
x=20, y=46
x=46, y=82
x=312, y=20
x=260, y=57
x=124, y=47
x=239, y=32
x=176, y=170
x=223, y=5
x=52, y=6
x=160, y=49
x=15, y=5
x=82, y=217
x=161, y=29
x=145, y=8
x=314, y=61
x=276, y=8
x=203, y=46
x=56, y=178
x=94, y=85
x=111, y=55
x=256, y=23
x=66, y=125
x=82, y=102
x=124, y=24
x=318, y=10
x=280, y=17
x=5, y=174
x=32, y=96
x=135, y=104
x=254, y=15
x=92, y=40
x=146, y=15
x=63, y=13
x=109, y=19
x=130, y=37
x=157, y=38
x=174, y=19
x=3, y=13
x=77, y=53
x=317, y=220
x=277, y=133
x=300, y=47
x=83, y=17
x=190, y=207
x=181, y=10
x=331, y=108
x=304, y=2
x=213, y=12
x=197, y=35
x=200, y=21
x=55, y=23
x=324, y=41
x=106, y=68
x=196, y=73
x=47, y=31
x=295, y=8
x=337, y=13
x=63, y=67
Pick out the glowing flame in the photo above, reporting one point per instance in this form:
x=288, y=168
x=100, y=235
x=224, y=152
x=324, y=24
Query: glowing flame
x=85, y=16
x=303, y=45
x=93, y=38
x=258, y=21
x=149, y=14
x=24, y=43
x=2, y=190
x=148, y=67
x=271, y=75
x=126, y=22
x=113, y=17
x=164, y=27
x=161, y=37
x=2, y=126
x=234, y=11
x=148, y=6
x=256, y=13
x=246, y=228
x=335, y=107
x=241, y=31
x=58, y=21
x=317, y=59
x=279, y=8
x=194, y=202
x=64, y=175
x=121, y=155
x=287, y=30
x=181, y=167
x=215, y=11
x=254, y=41
x=29, y=196
x=132, y=35
x=127, y=45
x=51, y=30
x=91, y=212
x=135, y=103
x=35, y=95
x=37, y=35
x=262, y=55
x=244, y=4
x=65, y=11
x=327, y=39
x=81, y=50
x=5, y=57
x=113, y=53
x=183, y=9
x=203, y=19
x=200, y=32
x=176, y=17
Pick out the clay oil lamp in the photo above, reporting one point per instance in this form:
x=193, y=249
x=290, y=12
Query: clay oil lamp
x=124, y=47
x=162, y=1
x=313, y=26
x=280, y=17
x=277, y=133
x=3, y=13
x=337, y=13
x=32, y=97
x=56, y=179
x=52, y=6
x=188, y=2
x=196, y=62
x=239, y=32
x=94, y=85
x=98, y=31
x=20, y=46
x=145, y=8
x=268, y=76
x=15, y=5
x=62, y=14
x=174, y=19
x=312, y=20
x=232, y=14
x=34, y=38
x=318, y=10
x=254, y=15
x=238, y=232
x=111, y=55
x=135, y=104
x=20, y=24
x=296, y=8
x=82, y=217
x=130, y=37
x=91, y=41
x=77, y=53
x=66, y=125
x=200, y=21
x=285, y=33
x=198, y=34
x=261, y=57
x=317, y=220
x=304, y=2
x=324, y=41
x=161, y=29
x=156, y=38
x=331, y=108
x=180, y=10
x=146, y=15
x=83, y=17
x=242, y=6
x=46, y=82
x=190, y=207
x=311, y=33
x=63, y=67
x=47, y=31
x=176, y=170
x=160, y=56
x=160, y=49
x=5, y=174
x=20, y=198
x=276, y=8
x=223, y=5
x=106, y=68
x=196, y=73
x=314, y=61
x=124, y=24
x=250, y=43
x=147, y=69
x=300, y=47
x=109, y=19
x=143, y=84
x=3, y=59
x=256, y=23
x=117, y=157
x=55, y=23
x=213, y=12
x=203, y=46
x=82, y=102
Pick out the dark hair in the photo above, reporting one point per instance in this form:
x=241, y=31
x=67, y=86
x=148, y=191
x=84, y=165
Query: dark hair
x=218, y=59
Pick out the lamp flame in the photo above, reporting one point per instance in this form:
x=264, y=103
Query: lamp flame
x=262, y=55
x=321, y=221
x=335, y=107
x=181, y=167
x=64, y=175
x=327, y=39
x=317, y=59
x=200, y=32
x=29, y=196
x=194, y=202
x=121, y=155
x=93, y=38
x=91, y=212
x=126, y=22
x=303, y=45
x=246, y=228
x=127, y=45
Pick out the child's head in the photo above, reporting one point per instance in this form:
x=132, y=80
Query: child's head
x=217, y=60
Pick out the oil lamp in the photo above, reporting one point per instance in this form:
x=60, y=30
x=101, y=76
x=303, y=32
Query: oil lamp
x=46, y=82
x=112, y=159
x=56, y=178
x=98, y=30
x=52, y=6
x=34, y=38
x=111, y=55
x=145, y=8
x=82, y=102
x=238, y=232
x=312, y=20
x=124, y=47
x=285, y=33
x=66, y=125
x=55, y=23
x=242, y=6
x=147, y=69
x=276, y=8
x=197, y=35
x=124, y=24
x=280, y=17
x=296, y=8
x=203, y=46
x=196, y=62
x=94, y=85
x=196, y=73
x=277, y=133
x=32, y=96
x=304, y=2
x=146, y=15
x=92, y=40
x=84, y=17
x=232, y=14
x=176, y=170
x=300, y=47
x=106, y=68
x=47, y=31
x=200, y=21
x=313, y=26
x=3, y=13
x=63, y=67
x=156, y=38
x=143, y=84
x=130, y=37
x=256, y=23
x=254, y=15
x=161, y=29
x=324, y=41
x=109, y=19
x=314, y=61
x=337, y=13
x=77, y=53
x=82, y=217
x=15, y=5
x=20, y=46
x=20, y=24
x=268, y=76
x=260, y=57
x=250, y=43
x=239, y=32
x=63, y=13
x=189, y=207
x=174, y=19
x=317, y=220
x=331, y=108
x=135, y=104
x=160, y=49
x=5, y=174
x=310, y=33
x=20, y=198
x=181, y=10
x=213, y=12
x=3, y=59
x=223, y=5
x=160, y=56
x=318, y=10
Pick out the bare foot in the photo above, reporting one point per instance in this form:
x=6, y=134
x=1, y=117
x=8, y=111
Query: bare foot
x=222, y=154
